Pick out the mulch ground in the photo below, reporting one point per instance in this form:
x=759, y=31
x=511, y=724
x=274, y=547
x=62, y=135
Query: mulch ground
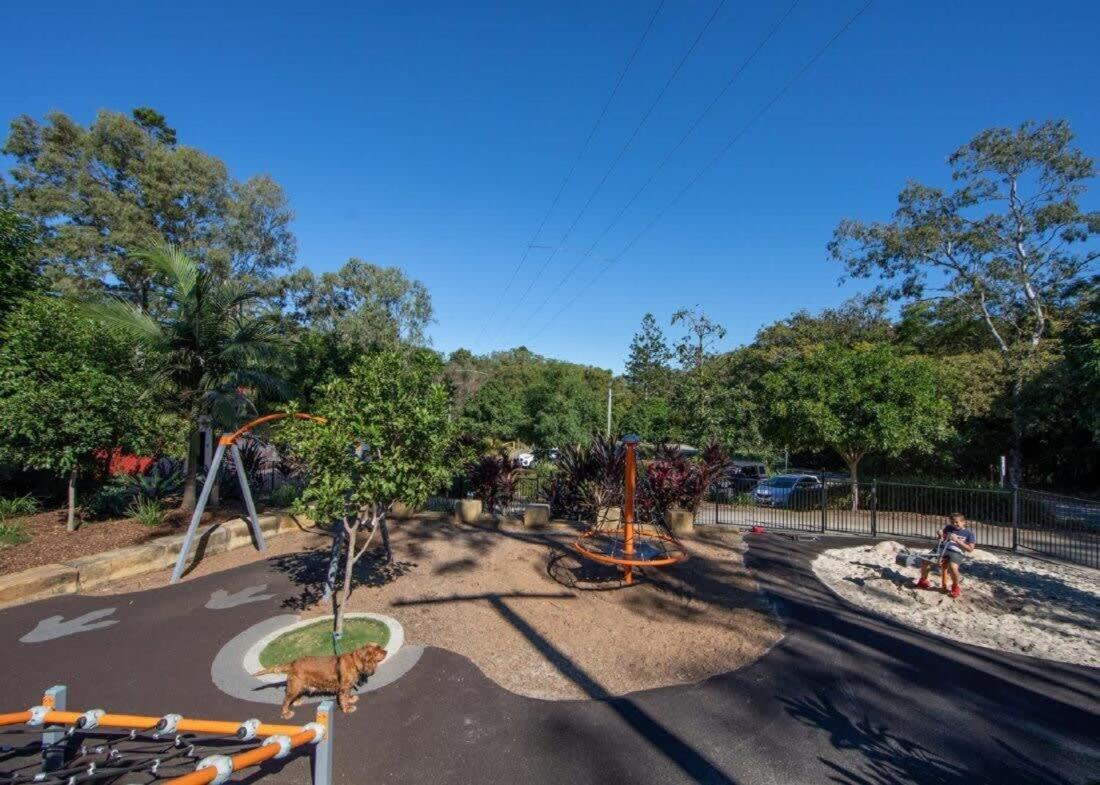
x=50, y=543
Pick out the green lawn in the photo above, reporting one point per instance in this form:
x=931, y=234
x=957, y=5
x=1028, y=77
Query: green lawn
x=316, y=640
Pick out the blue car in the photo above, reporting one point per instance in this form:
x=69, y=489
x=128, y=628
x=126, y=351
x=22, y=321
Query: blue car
x=788, y=490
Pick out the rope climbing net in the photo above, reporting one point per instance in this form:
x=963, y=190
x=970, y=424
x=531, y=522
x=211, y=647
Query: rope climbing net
x=46, y=744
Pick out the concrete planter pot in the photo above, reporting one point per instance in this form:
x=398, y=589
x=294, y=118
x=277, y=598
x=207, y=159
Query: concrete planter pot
x=680, y=521
x=608, y=516
x=469, y=510
x=401, y=510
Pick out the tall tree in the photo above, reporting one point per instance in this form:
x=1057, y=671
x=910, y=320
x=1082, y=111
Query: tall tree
x=856, y=401
x=648, y=375
x=1010, y=243
x=123, y=183
x=700, y=385
x=363, y=304
x=17, y=273
x=215, y=348
x=68, y=388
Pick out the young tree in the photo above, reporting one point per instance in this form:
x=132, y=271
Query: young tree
x=648, y=364
x=213, y=346
x=124, y=183
x=68, y=387
x=1009, y=243
x=857, y=401
x=387, y=437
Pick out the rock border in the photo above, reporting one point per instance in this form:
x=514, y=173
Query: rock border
x=98, y=569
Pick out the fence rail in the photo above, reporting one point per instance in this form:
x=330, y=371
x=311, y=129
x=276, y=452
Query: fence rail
x=1062, y=527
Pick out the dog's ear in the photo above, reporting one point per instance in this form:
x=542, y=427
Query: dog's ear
x=378, y=653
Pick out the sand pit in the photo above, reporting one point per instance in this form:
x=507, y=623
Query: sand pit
x=1011, y=603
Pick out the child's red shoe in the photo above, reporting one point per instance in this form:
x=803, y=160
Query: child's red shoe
x=924, y=584
x=956, y=591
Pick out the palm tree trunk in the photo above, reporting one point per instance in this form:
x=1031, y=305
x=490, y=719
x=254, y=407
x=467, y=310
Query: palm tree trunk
x=190, y=480
x=70, y=524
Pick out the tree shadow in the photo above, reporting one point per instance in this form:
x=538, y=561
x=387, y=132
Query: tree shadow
x=678, y=751
x=888, y=758
x=308, y=571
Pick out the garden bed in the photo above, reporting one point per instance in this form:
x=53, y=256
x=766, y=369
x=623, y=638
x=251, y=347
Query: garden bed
x=48, y=542
x=1012, y=603
x=315, y=640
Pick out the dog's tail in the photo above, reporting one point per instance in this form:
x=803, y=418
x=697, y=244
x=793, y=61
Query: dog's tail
x=273, y=669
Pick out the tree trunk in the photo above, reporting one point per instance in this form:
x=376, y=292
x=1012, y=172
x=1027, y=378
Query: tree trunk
x=349, y=566
x=1016, y=449
x=70, y=524
x=191, y=476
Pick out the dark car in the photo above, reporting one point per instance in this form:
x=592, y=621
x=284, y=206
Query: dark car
x=795, y=491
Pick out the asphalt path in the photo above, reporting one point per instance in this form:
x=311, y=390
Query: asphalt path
x=845, y=697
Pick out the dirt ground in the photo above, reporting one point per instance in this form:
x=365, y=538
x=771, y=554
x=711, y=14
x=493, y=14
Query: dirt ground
x=536, y=619
x=1013, y=603
x=50, y=543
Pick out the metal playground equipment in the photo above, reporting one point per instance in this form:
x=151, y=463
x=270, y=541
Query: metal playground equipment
x=163, y=748
x=629, y=545
x=230, y=441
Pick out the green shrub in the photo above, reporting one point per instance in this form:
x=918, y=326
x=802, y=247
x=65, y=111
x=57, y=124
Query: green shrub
x=18, y=506
x=148, y=512
x=285, y=495
x=12, y=534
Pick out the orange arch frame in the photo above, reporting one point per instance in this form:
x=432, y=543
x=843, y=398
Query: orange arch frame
x=230, y=438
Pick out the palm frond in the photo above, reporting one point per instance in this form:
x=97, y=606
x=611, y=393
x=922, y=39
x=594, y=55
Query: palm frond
x=127, y=317
x=182, y=272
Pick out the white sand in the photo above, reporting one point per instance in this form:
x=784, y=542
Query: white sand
x=1012, y=603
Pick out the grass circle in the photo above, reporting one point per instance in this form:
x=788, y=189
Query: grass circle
x=315, y=640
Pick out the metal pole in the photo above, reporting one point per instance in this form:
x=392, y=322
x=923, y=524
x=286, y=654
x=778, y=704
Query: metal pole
x=177, y=573
x=824, y=502
x=874, y=508
x=628, y=508
x=322, y=752
x=246, y=492
x=53, y=746
x=1015, y=517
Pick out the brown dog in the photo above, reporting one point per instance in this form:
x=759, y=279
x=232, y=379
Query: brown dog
x=338, y=675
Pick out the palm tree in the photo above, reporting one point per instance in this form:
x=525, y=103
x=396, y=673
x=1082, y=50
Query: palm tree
x=213, y=342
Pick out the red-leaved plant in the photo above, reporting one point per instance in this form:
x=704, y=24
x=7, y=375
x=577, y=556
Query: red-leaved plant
x=492, y=479
x=673, y=480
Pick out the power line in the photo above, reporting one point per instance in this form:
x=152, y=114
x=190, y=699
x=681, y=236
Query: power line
x=622, y=152
x=577, y=160
x=713, y=162
x=675, y=148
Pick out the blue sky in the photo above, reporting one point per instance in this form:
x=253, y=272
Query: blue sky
x=434, y=136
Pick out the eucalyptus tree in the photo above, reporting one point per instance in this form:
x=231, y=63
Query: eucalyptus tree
x=1009, y=244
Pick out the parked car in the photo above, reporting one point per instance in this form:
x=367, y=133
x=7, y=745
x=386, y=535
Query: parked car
x=525, y=459
x=788, y=490
x=742, y=476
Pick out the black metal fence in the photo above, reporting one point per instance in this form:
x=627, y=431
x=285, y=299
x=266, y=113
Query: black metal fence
x=1018, y=519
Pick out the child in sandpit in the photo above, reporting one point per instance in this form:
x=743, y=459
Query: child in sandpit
x=958, y=541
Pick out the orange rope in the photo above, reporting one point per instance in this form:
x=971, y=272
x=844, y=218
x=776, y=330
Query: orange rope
x=15, y=718
x=185, y=725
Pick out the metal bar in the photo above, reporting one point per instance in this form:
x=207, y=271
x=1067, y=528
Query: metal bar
x=246, y=492
x=141, y=722
x=322, y=752
x=207, y=486
x=824, y=504
x=243, y=760
x=1015, y=518
x=53, y=748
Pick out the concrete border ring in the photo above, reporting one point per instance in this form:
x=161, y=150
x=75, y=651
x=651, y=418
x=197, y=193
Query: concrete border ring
x=238, y=659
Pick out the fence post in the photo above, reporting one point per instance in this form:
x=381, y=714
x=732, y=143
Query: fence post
x=824, y=503
x=874, y=508
x=1015, y=516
